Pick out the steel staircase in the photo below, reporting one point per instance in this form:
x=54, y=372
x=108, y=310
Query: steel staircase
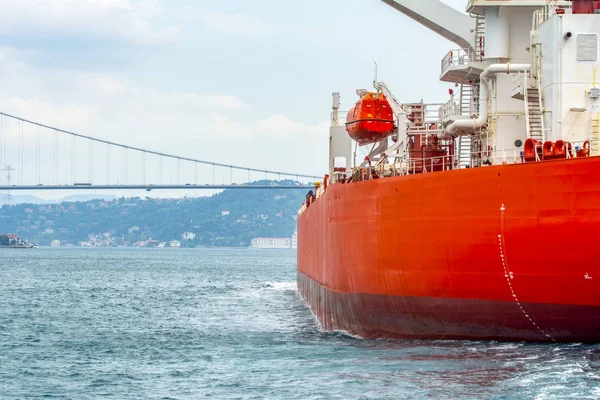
x=595, y=136
x=463, y=149
x=533, y=114
x=466, y=99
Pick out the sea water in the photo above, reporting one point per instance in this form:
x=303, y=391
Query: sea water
x=229, y=324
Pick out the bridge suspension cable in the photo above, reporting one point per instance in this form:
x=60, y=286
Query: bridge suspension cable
x=158, y=153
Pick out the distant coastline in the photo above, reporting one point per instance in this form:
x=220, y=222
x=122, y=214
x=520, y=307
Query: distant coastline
x=227, y=219
x=10, y=241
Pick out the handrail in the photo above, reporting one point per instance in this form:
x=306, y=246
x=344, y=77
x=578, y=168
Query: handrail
x=341, y=117
x=542, y=15
x=415, y=165
x=518, y=81
x=450, y=108
x=456, y=57
x=538, y=82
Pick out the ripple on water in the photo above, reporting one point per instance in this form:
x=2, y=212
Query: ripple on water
x=129, y=324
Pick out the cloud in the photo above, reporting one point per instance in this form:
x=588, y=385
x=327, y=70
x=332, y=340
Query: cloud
x=186, y=103
x=102, y=84
x=79, y=19
x=114, y=90
x=220, y=127
x=138, y=106
x=281, y=126
x=76, y=115
x=237, y=23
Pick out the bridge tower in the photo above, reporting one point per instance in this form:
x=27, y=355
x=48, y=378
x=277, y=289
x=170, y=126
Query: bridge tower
x=8, y=169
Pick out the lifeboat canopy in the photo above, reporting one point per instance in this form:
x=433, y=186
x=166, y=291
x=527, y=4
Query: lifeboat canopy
x=371, y=119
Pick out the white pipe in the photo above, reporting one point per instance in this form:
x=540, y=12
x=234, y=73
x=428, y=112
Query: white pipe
x=559, y=105
x=474, y=123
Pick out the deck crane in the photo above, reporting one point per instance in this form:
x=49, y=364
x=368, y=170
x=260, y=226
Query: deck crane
x=440, y=18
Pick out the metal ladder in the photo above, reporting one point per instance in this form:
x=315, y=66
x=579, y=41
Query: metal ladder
x=466, y=99
x=595, y=136
x=479, y=39
x=533, y=114
x=463, y=149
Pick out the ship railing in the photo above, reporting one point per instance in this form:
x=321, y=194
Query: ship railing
x=502, y=156
x=426, y=116
x=452, y=107
x=425, y=131
x=338, y=118
x=416, y=165
x=539, y=17
x=518, y=82
x=580, y=145
x=542, y=15
x=484, y=158
x=430, y=164
x=456, y=57
x=432, y=115
x=477, y=159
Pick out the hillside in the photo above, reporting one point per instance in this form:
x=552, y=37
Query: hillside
x=28, y=199
x=230, y=218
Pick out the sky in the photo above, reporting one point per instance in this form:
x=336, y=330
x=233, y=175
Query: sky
x=241, y=82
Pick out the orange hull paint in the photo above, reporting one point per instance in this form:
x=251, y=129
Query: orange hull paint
x=502, y=252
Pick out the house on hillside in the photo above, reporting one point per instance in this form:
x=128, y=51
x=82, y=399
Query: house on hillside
x=271, y=243
x=188, y=236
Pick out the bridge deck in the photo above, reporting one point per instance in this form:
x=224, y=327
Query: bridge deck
x=149, y=187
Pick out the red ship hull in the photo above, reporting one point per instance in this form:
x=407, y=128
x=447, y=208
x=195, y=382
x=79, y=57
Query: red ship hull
x=502, y=252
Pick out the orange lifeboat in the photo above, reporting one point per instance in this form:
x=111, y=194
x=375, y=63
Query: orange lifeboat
x=371, y=119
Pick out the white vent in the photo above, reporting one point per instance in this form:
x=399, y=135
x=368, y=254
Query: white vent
x=587, y=47
x=339, y=162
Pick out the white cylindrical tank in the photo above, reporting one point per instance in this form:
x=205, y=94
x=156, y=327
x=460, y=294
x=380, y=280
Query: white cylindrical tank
x=336, y=101
x=497, y=32
x=340, y=144
x=340, y=148
x=339, y=162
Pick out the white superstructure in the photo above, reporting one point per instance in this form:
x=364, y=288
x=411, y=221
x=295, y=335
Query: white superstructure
x=531, y=73
x=569, y=72
x=526, y=88
x=340, y=145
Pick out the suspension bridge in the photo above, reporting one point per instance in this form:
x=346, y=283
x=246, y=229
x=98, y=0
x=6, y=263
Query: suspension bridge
x=36, y=156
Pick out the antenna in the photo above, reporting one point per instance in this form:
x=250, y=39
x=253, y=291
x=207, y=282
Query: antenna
x=375, y=77
x=336, y=108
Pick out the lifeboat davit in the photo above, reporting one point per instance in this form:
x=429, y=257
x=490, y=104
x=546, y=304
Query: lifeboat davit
x=371, y=119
